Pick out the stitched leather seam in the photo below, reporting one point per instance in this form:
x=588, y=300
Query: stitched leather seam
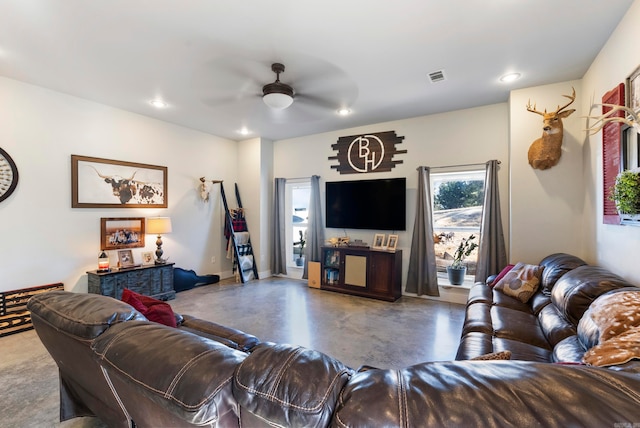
x=80, y=321
x=182, y=372
x=617, y=384
x=115, y=394
x=285, y=403
x=402, y=400
x=222, y=384
x=283, y=368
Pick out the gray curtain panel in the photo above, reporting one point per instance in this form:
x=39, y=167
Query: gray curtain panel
x=492, y=254
x=315, y=230
x=422, y=277
x=279, y=249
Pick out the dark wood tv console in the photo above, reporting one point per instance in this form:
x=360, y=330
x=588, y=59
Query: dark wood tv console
x=362, y=272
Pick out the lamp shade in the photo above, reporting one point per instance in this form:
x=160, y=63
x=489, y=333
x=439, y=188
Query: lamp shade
x=277, y=100
x=159, y=225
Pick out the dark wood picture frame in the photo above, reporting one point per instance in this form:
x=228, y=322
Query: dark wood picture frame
x=107, y=183
x=125, y=232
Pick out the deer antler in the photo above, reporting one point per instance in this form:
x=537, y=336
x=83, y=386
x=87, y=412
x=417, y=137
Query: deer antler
x=600, y=121
x=533, y=109
x=571, y=97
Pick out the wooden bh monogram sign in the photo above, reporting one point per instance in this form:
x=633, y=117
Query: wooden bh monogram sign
x=360, y=154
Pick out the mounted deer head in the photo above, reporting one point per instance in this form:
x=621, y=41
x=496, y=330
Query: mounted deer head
x=545, y=152
x=600, y=121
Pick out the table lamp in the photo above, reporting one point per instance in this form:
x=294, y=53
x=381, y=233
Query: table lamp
x=159, y=226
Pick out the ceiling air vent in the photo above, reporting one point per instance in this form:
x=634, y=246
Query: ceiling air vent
x=436, y=76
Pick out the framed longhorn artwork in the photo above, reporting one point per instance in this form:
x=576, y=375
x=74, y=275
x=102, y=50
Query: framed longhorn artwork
x=106, y=183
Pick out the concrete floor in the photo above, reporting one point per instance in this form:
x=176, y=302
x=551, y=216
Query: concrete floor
x=355, y=330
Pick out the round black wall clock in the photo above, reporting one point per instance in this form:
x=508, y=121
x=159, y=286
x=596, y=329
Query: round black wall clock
x=8, y=175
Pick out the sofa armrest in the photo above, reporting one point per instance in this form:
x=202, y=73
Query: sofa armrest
x=231, y=337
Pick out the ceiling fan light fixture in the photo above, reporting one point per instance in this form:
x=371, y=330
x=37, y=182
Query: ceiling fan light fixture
x=277, y=100
x=277, y=95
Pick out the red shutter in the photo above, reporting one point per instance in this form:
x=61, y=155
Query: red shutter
x=611, y=154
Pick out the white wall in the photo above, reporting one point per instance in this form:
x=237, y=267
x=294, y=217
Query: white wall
x=255, y=180
x=546, y=205
x=611, y=246
x=44, y=240
x=461, y=137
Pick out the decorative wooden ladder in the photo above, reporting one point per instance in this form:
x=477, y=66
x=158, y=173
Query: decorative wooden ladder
x=237, y=231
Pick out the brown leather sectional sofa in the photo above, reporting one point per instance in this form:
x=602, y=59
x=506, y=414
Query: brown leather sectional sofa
x=544, y=329
x=122, y=368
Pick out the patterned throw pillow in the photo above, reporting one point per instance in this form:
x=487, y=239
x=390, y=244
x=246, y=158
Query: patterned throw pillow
x=617, y=316
x=502, y=355
x=521, y=281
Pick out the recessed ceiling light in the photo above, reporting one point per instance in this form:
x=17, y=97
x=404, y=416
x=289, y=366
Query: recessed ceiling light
x=511, y=77
x=344, y=111
x=158, y=103
x=244, y=131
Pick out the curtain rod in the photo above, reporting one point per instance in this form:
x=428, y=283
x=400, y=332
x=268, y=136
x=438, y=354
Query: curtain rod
x=461, y=165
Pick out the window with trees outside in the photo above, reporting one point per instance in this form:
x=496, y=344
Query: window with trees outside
x=457, y=214
x=297, y=194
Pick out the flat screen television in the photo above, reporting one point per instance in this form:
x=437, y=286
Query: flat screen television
x=366, y=204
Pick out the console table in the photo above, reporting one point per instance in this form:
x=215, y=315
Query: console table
x=152, y=280
x=362, y=272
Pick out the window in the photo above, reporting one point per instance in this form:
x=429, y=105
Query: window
x=457, y=214
x=297, y=198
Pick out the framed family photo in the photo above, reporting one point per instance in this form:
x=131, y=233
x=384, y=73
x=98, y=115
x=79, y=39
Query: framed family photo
x=117, y=233
x=147, y=258
x=125, y=257
x=106, y=183
x=392, y=242
x=378, y=241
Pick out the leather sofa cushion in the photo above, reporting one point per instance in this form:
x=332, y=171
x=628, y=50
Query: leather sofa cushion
x=188, y=375
x=554, y=326
x=478, y=319
x=229, y=336
x=577, y=289
x=555, y=266
x=474, y=344
x=517, y=326
x=569, y=350
x=488, y=394
x=85, y=316
x=289, y=385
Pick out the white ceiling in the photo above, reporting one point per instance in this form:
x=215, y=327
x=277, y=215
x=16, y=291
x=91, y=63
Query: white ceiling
x=209, y=59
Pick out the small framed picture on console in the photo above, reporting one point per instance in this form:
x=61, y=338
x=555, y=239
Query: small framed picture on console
x=125, y=257
x=378, y=241
x=392, y=242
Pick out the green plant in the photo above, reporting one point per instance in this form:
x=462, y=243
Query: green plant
x=464, y=249
x=626, y=192
x=301, y=243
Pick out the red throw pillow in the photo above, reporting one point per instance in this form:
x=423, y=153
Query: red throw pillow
x=502, y=273
x=155, y=310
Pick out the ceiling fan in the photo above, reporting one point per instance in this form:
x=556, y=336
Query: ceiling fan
x=277, y=95
x=314, y=89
